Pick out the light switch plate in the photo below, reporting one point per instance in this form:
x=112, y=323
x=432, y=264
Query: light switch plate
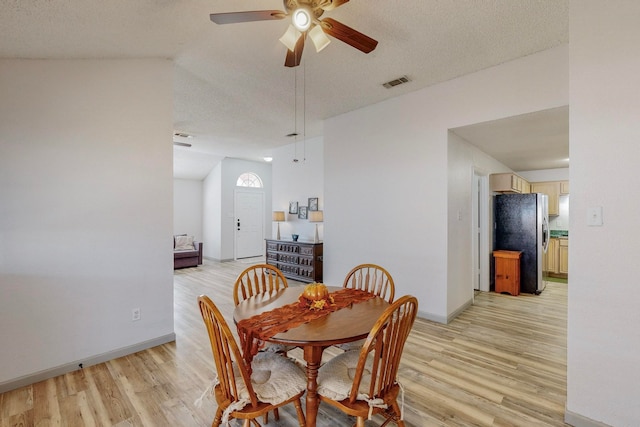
x=594, y=216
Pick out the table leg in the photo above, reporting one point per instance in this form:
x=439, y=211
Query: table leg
x=313, y=357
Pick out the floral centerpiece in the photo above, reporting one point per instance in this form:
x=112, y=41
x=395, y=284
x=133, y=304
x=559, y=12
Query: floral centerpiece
x=315, y=296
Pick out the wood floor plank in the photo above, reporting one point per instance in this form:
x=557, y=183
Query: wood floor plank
x=500, y=363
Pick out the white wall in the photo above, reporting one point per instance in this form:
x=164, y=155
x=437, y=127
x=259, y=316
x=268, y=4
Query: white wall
x=219, y=201
x=85, y=211
x=463, y=160
x=542, y=175
x=386, y=166
x=298, y=182
x=212, y=214
x=603, y=333
x=187, y=207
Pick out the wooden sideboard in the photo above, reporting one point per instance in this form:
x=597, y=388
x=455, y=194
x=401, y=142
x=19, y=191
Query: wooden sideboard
x=300, y=261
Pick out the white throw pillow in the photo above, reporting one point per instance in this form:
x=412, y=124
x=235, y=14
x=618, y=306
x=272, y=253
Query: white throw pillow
x=184, y=242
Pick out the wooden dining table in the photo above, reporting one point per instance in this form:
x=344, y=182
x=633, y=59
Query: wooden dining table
x=344, y=325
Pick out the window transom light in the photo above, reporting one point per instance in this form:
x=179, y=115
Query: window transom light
x=249, y=179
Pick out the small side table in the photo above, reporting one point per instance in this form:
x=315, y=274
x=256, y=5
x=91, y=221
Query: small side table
x=507, y=271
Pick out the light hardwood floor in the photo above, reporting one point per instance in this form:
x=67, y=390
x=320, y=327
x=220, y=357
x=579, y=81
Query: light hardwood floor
x=500, y=363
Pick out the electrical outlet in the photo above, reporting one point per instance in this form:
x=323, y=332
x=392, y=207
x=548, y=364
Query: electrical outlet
x=135, y=314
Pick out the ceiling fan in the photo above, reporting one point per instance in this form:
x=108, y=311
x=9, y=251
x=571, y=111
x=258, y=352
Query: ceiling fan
x=305, y=21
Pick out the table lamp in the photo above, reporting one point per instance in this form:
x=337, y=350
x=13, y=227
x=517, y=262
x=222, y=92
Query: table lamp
x=278, y=216
x=316, y=216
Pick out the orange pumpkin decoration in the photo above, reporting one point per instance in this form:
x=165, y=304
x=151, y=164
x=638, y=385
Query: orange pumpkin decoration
x=315, y=292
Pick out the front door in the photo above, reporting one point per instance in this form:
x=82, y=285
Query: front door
x=249, y=223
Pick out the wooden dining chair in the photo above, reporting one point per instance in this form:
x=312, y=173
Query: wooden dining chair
x=257, y=279
x=365, y=383
x=275, y=380
x=371, y=278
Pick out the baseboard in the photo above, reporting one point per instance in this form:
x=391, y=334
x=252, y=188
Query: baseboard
x=208, y=258
x=444, y=319
x=577, y=420
x=459, y=311
x=93, y=360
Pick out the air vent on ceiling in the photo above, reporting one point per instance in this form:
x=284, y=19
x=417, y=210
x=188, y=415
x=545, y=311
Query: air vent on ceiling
x=396, y=82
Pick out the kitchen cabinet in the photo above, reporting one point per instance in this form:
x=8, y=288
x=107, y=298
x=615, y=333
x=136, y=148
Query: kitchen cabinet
x=556, y=260
x=508, y=183
x=551, y=257
x=300, y=261
x=507, y=270
x=563, y=256
x=564, y=187
x=551, y=189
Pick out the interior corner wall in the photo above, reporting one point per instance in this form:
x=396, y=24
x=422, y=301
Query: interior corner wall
x=464, y=160
x=603, y=334
x=212, y=214
x=219, y=204
x=297, y=182
x=187, y=208
x=386, y=174
x=85, y=211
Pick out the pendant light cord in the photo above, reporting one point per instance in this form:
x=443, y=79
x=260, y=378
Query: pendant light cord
x=304, y=112
x=295, y=114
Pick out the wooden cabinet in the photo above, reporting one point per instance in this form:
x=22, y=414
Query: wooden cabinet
x=300, y=261
x=507, y=268
x=508, y=183
x=551, y=257
x=563, y=256
x=556, y=260
x=564, y=187
x=551, y=189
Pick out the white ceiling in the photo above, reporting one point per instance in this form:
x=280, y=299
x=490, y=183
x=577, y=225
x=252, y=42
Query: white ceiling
x=526, y=142
x=232, y=92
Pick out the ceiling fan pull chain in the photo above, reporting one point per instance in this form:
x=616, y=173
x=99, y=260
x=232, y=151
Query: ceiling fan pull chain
x=304, y=112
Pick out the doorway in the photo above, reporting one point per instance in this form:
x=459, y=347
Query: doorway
x=249, y=223
x=480, y=227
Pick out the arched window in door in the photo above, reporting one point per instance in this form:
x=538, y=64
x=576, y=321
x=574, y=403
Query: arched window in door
x=249, y=179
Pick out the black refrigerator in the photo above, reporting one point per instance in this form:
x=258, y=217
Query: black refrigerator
x=521, y=223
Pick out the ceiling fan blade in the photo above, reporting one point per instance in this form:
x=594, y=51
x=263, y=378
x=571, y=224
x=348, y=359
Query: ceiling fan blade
x=348, y=35
x=294, y=57
x=255, y=15
x=332, y=4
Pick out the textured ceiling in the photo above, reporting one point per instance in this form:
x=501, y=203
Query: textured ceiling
x=232, y=92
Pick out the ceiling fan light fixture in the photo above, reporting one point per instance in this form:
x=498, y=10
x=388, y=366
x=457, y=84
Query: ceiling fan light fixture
x=301, y=19
x=290, y=37
x=319, y=38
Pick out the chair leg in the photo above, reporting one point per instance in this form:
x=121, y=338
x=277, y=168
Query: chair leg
x=301, y=418
x=360, y=422
x=218, y=419
x=276, y=415
x=247, y=422
x=398, y=414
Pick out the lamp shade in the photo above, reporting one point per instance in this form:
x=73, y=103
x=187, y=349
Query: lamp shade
x=319, y=38
x=290, y=38
x=316, y=216
x=278, y=215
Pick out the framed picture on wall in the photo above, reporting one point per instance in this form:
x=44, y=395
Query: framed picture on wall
x=302, y=212
x=293, y=207
x=313, y=204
